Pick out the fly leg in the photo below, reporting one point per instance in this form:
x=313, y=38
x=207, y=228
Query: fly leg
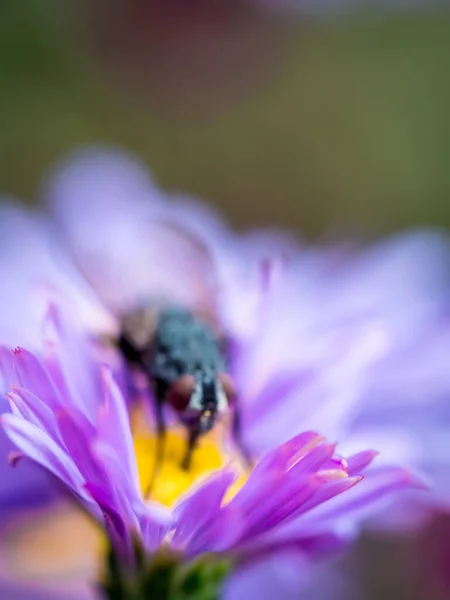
x=160, y=439
x=194, y=434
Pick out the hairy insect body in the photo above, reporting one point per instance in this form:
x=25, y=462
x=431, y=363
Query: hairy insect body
x=184, y=345
x=185, y=367
x=184, y=361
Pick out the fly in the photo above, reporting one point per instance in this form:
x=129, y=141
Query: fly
x=186, y=365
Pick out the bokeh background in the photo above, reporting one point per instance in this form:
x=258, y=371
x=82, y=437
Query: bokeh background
x=327, y=118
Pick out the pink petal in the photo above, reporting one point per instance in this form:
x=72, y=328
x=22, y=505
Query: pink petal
x=358, y=462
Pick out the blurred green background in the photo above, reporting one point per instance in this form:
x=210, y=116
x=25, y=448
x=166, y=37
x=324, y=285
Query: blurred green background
x=346, y=125
x=327, y=126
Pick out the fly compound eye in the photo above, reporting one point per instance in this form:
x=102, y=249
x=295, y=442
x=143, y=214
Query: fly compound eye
x=181, y=391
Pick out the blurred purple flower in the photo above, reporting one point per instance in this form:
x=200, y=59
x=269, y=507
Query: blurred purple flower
x=354, y=342
x=32, y=271
x=115, y=222
x=293, y=499
x=28, y=273
x=364, y=338
x=327, y=336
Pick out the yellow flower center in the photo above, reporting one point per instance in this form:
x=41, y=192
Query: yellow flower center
x=171, y=480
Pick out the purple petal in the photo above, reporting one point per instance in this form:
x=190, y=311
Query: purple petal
x=379, y=485
x=338, y=463
x=78, y=439
x=282, y=505
x=115, y=480
x=200, y=507
x=329, y=491
x=219, y=535
x=280, y=457
x=118, y=530
x=20, y=590
x=358, y=462
x=32, y=376
x=114, y=424
x=280, y=466
x=27, y=485
x=68, y=358
x=32, y=409
x=41, y=448
x=14, y=457
x=155, y=523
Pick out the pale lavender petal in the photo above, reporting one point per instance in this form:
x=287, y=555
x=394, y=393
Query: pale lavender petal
x=290, y=576
x=411, y=375
x=326, y=399
x=378, y=487
x=7, y=373
x=32, y=264
x=283, y=575
x=313, y=545
x=403, y=280
x=111, y=189
x=349, y=510
x=68, y=358
x=92, y=183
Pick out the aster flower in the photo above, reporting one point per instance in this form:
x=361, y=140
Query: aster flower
x=350, y=339
x=85, y=441
x=36, y=269
x=294, y=351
